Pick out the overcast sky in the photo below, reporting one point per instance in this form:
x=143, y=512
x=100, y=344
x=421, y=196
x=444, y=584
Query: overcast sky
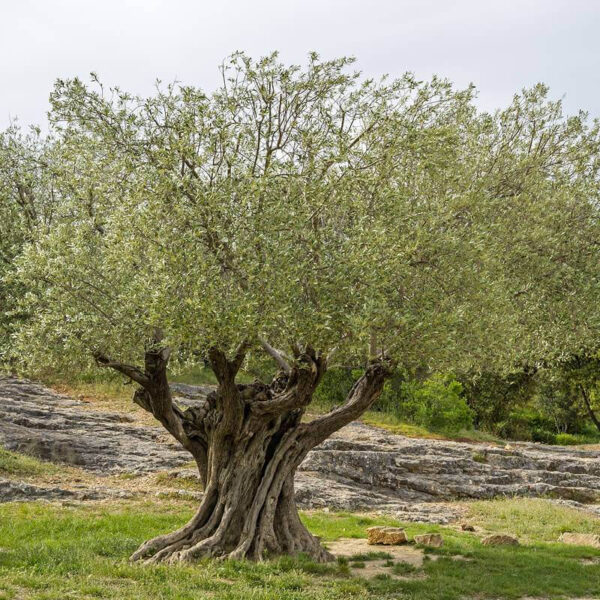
x=499, y=45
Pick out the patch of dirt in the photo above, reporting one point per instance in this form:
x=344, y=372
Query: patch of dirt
x=590, y=561
x=349, y=547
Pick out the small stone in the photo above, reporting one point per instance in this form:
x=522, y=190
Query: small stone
x=429, y=539
x=500, y=539
x=580, y=539
x=386, y=535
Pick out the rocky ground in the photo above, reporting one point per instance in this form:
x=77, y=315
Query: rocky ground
x=361, y=468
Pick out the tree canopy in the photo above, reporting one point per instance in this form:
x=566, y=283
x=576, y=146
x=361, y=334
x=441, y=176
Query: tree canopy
x=312, y=206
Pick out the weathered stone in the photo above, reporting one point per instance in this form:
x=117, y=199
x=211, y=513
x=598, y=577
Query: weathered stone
x=500, y=539
x=360, y=468
x=388, y=536
x=429, y=539
x=37, y=421
x=580, y=539
x=19, y=491
x=423, y=470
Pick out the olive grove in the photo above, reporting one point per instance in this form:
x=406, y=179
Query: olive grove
x=309, y=217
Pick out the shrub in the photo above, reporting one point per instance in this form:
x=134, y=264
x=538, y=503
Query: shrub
x=566, y=439
x=437, y=403
x=334, y=387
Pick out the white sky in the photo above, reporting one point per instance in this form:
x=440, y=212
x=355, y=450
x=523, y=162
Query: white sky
x=500, y=45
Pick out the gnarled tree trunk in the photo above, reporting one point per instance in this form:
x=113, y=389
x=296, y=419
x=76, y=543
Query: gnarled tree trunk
x=248, y=441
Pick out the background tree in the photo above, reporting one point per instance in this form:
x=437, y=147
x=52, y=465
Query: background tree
x=308, y=215
x=27, y=202
x=569, y=392
x=493, y=396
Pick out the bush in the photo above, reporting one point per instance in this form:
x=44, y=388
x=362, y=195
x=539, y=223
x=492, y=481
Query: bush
x=527, y=425
x=334, y=387
x=437, y=403
x=566, y=439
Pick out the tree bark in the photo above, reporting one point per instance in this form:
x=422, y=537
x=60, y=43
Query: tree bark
x=248, y=441
x=588, y=406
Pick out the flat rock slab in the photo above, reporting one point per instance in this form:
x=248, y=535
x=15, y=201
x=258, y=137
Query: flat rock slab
x=360, y=468
x=433, y=540
x=387, y=536
x=37, y=421
x=500, y=539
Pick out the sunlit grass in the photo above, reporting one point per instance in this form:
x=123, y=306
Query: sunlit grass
x=48, y=552
x=13, y=464
x=533, y=518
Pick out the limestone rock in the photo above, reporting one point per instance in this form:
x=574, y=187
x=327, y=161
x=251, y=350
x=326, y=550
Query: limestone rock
x=358, y=468
x=580, y=539
x=429, y=539
x=37, y=421
x=19, y=491
x=500, y=539
x=389, y=536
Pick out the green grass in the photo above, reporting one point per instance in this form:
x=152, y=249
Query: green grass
x=391, y=423
x=330, y=526
x=370, y=556
x=49, y=552
x=13, y=464
x=531, y=518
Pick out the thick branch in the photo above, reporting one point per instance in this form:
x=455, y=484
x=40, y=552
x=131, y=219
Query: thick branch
x=225, y=370
x=362, y=395
x=276, y=355
x=302, y=382
x=134, y=373
x=155, y=394
x=228, y=397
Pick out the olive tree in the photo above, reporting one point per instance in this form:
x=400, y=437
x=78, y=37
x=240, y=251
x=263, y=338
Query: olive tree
x=26, y=207
x=310, y=216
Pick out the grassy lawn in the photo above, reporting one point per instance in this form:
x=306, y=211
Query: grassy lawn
x=50, y=552
x=392, y=424
x=13, y=464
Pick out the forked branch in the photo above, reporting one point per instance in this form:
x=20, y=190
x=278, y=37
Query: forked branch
x=362, y=395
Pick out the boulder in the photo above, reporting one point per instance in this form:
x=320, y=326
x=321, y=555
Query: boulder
x=580, y=539
x=388, y=536
x=500, y=539
x=433, y=540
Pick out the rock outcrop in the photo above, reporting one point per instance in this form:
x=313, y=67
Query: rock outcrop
x=397, y=468
x=13, y=491
x=37, y=421
x=359, y=468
